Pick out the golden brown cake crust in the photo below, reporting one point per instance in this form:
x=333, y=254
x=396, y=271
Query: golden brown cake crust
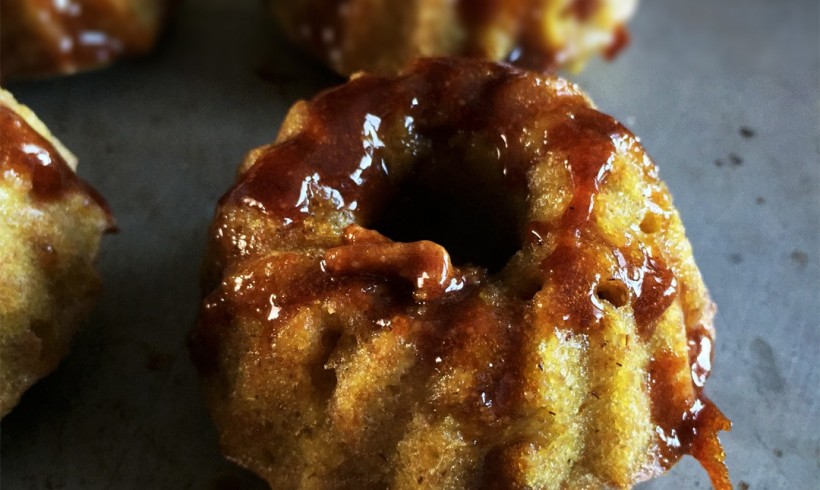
x=50, y=227
x=43, y=38
x=461, y=277
x=381, y=36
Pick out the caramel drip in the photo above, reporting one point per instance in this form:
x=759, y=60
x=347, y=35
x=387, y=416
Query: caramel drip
x=658, y=289
x=28, y=155
x=687, y=421
x=704, y=444
x=424, y=265
x=620, y=41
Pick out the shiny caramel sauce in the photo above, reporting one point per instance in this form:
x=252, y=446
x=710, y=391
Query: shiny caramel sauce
x=425, y=265
x=351, y=157
x=26, y=154
x=64, y=36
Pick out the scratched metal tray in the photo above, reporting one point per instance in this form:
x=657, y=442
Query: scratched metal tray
x=723, y=94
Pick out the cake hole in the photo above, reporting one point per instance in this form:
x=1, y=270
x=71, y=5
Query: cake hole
x=474, y=216
x=651, y=223
x=613, y=291
x=324, y=378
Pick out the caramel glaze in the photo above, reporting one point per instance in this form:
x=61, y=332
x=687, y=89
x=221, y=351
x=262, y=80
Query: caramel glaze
x=425, y=265
x=344, y=158
x=26, y=154
x=69, y=36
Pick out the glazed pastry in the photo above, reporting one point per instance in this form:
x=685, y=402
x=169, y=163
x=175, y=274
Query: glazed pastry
x=380, y=36
x=50, y=228
x=461, y=277
x=53, y=37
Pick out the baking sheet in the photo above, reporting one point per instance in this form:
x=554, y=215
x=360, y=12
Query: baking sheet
x=724, y=95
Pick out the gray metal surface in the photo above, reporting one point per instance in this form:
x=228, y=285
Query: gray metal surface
x=161, y=138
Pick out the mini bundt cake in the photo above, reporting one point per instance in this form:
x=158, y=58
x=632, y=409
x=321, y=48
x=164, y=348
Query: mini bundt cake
x=50, y=228
x=42, y=38
x=461, y=277
x=380, y=36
